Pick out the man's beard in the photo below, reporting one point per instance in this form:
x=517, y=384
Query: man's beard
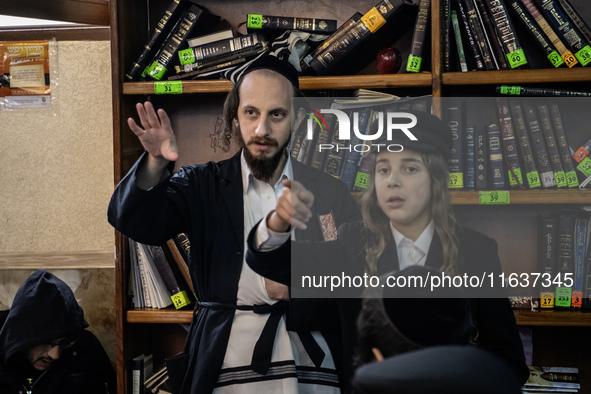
x=263, y=168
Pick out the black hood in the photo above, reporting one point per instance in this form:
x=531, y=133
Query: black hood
x=44, y=309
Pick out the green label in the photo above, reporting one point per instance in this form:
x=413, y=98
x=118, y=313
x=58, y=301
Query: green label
x=362, y=180
x=157, y=71
x=187, y=56
x=563, y=295
x=456, y=180
x=512, y=180
x=254, y=21
x=494, y=197
x=555, y=59
x=584, y=55
x=533, y=179
x=180, y=299
x=572, y=180
x=512, y=90
x=517, y=58
x=414, y=64
x=560, y=179
x=168, y=87
x=585, y=166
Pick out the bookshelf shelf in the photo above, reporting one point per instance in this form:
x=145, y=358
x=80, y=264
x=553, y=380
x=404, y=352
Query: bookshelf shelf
x=306, y=83
x=523, y=317
x=528, y=197
x=516, y=76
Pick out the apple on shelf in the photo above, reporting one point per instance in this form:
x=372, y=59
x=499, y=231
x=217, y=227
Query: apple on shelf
x=389, y=60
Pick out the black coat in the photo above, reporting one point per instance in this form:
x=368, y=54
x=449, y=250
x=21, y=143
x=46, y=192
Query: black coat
x=206, y=202
x=494, y=318
x=44, y=309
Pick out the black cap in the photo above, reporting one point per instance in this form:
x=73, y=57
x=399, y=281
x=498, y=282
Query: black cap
x=270, y=62
x=442, y=316
x=432, y=134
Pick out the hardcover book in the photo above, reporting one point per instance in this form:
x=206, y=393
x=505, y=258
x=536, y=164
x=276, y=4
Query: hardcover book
x=531, y=171
x=415, y=57
x=491, y=33
x=495, y=155
x=509, y=145
x=481, y=157
x=453, y=116
x=563, y=147
x=538, y=145
x=553, y=153
x=506, y=32
x=469, y=162
x=547, y=257
x=283, y=23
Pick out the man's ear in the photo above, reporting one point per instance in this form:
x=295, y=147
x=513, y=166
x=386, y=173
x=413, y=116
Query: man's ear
x=377, y=354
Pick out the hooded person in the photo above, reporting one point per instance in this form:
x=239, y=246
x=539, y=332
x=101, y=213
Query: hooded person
x=44, y=344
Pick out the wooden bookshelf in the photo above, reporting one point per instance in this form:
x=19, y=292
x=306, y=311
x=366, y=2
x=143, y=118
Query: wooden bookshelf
x=542, y=196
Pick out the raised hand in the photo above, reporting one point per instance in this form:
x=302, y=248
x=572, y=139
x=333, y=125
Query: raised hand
x=293, y=208
x=156, y=135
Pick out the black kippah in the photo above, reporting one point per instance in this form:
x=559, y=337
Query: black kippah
x=270, y=62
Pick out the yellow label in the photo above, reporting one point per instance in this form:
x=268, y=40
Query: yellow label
x=546, y=299
x=180, y=299
x=456, y=180
x=373, y=20
x=569, y=59
x=497, y=197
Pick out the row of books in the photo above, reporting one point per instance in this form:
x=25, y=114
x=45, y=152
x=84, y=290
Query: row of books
x=526, y=147
x=159, y=275
x=564, y=251
x=145, y=380
x=552, y=380
x=489, y=34
x=184, y=43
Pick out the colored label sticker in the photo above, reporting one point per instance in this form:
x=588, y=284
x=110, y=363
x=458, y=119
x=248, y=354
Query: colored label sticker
x=560, y=178
x=511, y=90
x=569, y=59
x=254, y=21
x=577, y=299
x=186, y=56
x=362, y=180
x=180, y=299
x=157, y=71
x=580, y=154
x=585, y=166
x=517, y=58
x=496, y=197
x=533, y=179
x=168, y=87
x=572, y=180
x=563, y=296
x=555, y=59
x=584, y=55
x=512, y=180
x=456, y=180
x=373, y=20
x=546, y=299
x=414, y=64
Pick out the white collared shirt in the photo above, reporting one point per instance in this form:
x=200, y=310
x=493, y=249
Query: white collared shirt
x=413, y=253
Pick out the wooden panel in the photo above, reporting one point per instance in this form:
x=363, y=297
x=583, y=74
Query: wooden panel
x=159, y=316
x=553, y=318
x=60, y=33
x=57, y=260
x=516, y=76
x=528, y=197
x=92, y=12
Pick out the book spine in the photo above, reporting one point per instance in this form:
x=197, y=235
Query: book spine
x=580, y=243
x=459, y=45
x=567, y=30
x=181, y=263
x=299, y=136
x=479, y=34
x=531, y=172
x=221, y=48
x=247, y=52
x=576, y=18
x=509, y=145
x=531, y=26
x=506, y=32
x=167, y=55
x=515, y=90
x=325, y=136
x=225, y=63
x=587, y=289
x=363, y=173
x=137, y=376
x=547, y=248
x=445, y=17
x=565, y=257
x=162, y=27
x=564, y=52
x=353, y=156
x=481, y=157
x=415, y=57
x=305, y=63
x=495, y=155
x=469, y=155
x=334, y=159
x=491, y=33
x=473, y=47
x=453, y=116
x=563, y=147
x=283, y=23
x=538, y=145
x=552, y=146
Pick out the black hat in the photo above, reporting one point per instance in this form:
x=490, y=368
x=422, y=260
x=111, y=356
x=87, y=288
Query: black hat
x=425, y=316
x=271, y=62
x=433, y=135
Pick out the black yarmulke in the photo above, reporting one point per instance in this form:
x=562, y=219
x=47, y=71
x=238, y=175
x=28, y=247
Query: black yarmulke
x=270, y=62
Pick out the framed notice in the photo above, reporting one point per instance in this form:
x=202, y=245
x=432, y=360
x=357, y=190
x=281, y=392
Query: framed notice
x=24, y=74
